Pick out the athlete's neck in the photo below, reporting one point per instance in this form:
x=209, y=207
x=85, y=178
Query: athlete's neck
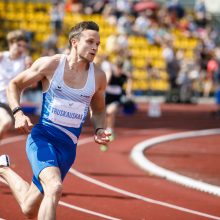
x=77, y=65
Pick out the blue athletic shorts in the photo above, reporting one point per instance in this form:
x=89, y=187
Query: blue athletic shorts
x=46, y=149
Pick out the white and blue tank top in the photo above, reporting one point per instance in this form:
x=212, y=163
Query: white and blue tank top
x=66, y=108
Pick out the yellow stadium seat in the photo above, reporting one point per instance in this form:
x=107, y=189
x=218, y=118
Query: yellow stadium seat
x=189, y=54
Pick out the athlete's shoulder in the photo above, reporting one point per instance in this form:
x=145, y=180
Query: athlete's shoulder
x=47, y=63
x=100, y=76
x=98, y=71
x=49, y=60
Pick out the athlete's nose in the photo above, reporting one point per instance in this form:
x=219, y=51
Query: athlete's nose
x=95, y=47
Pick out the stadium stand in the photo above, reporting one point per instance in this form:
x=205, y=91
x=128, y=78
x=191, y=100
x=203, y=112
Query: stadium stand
x=34, y=17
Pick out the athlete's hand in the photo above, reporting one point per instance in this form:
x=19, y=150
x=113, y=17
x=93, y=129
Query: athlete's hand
x=23, y=122
x=102, y=136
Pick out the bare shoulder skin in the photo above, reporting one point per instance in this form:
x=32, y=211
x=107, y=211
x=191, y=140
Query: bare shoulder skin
x=100, y=76
x=48, y=68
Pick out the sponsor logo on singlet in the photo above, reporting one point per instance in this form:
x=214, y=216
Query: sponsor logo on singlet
x=66, y=112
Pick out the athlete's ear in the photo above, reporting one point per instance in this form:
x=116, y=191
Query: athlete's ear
x=74, y=42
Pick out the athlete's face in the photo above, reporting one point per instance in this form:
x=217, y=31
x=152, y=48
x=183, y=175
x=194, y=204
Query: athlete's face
x=18, y=48
x=87, y=46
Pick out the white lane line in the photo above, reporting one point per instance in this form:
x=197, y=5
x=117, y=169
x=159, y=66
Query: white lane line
x=87, y=211
x=79, y=208
x=139, y=197
x=136, y=196
x=83, y=141
x=146, y=199
x=137, y=155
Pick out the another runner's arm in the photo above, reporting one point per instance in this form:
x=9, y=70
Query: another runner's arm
x=129, y=86
x=98, y=101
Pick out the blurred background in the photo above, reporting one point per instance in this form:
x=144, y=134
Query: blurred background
x=170, y=49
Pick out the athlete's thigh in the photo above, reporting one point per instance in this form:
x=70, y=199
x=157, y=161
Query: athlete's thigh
x=41, y=154
x=49, y=176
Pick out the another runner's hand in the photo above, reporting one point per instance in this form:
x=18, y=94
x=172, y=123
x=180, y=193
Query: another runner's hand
x=22, y=122
x=102, y=136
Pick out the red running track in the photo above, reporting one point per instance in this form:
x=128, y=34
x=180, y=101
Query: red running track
x=131, y=193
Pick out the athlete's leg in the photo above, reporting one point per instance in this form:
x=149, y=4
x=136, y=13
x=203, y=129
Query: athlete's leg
x=111, y=111
x=50, y=179
x=6, y=121
x=27, y=196
x=42, y=156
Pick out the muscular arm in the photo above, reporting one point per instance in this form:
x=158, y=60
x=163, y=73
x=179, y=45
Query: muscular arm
x=98, y=102
x=98, y=110
x=129, y=87
x=39, y=71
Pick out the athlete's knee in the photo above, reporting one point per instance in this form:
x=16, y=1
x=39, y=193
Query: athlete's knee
x=53, y=189
x=51, y=182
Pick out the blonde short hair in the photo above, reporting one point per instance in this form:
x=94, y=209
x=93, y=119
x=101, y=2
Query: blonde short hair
x=80, y=27
x=15, y=36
